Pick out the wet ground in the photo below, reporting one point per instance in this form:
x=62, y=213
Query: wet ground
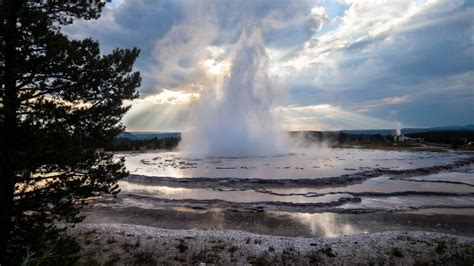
x=326, y=224
x=339, y=192
x=310, y=163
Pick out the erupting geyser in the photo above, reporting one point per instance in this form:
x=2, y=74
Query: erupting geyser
x=398, y=130
x=235, y=120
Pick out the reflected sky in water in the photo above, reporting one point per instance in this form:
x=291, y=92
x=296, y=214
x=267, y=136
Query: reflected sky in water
x=310, y=163
x=211, y=194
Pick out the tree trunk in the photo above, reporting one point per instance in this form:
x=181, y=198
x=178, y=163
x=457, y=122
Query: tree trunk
x=8, y=164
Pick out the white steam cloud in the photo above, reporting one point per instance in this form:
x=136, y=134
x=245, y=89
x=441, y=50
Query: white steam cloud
x=235, y=119
x=398, y=129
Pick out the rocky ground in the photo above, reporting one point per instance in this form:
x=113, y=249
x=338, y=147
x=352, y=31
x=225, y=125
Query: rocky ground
x=122, y=244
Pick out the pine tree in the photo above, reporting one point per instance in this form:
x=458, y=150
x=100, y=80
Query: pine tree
x=60, y=100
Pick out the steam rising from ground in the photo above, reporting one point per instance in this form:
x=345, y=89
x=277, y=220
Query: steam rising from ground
x=235, y=119
x=398, y=130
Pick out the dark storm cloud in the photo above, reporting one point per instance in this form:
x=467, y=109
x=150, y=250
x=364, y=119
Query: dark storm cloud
x=136, y=23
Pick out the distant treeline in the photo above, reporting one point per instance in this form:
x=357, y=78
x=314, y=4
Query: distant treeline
x=339, y=137
x=171, y=142
x=125, y=144
x=348, y=138
x=445, y=137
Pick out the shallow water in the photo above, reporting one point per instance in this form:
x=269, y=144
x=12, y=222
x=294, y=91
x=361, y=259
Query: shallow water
x=326, y=224
x=395, y=191
x=410, y=202
x=298, y=165
x=467, y=177
x=433, y=198
x=174, y=193
x=387, y=184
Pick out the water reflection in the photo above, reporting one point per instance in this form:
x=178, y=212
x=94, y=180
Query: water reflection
x=466, y=177
x=407, y=202
x=212, y=194
x=326, y=224
x=311, y=164
x=386, y=184
x=285, y=223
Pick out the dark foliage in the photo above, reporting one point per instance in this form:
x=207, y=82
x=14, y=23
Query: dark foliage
x=60, y=100
x=348, y=138
x=339, y=137
x=445, y=137
x=123, y=144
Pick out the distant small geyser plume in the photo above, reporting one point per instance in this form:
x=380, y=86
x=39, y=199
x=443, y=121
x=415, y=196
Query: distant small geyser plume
x=235, y=120
x=398, y=130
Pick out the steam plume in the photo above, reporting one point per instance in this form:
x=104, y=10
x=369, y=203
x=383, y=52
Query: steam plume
x=235, y=119
x=398, y=130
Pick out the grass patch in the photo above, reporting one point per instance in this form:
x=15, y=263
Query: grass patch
x=182, y=246
x=129, y=246
x=263, y=258
x=289, y=254
x=232, y=249
x=205, y=256
x=113, y=259
x=327, y=250
x=440, y=247
x=396, y=252
x=143, y=258
x=314, y=257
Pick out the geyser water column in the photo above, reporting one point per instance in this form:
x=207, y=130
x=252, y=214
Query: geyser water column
x=235, y=120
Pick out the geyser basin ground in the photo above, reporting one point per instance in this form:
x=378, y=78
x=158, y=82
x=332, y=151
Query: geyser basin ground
x=310, y=193
x=301, y=164
x=362, y=194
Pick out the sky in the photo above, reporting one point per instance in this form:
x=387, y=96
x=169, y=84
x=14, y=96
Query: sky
x=343, y=64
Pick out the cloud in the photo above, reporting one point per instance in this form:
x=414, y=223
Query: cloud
x=365, y=25
x=173, y=34
x=384, y=102
x=167, y=97
x=327, y=117
x=377, y=61
x=380, y=50
x=165, y=111
x=132, y=23
x=179, y=51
